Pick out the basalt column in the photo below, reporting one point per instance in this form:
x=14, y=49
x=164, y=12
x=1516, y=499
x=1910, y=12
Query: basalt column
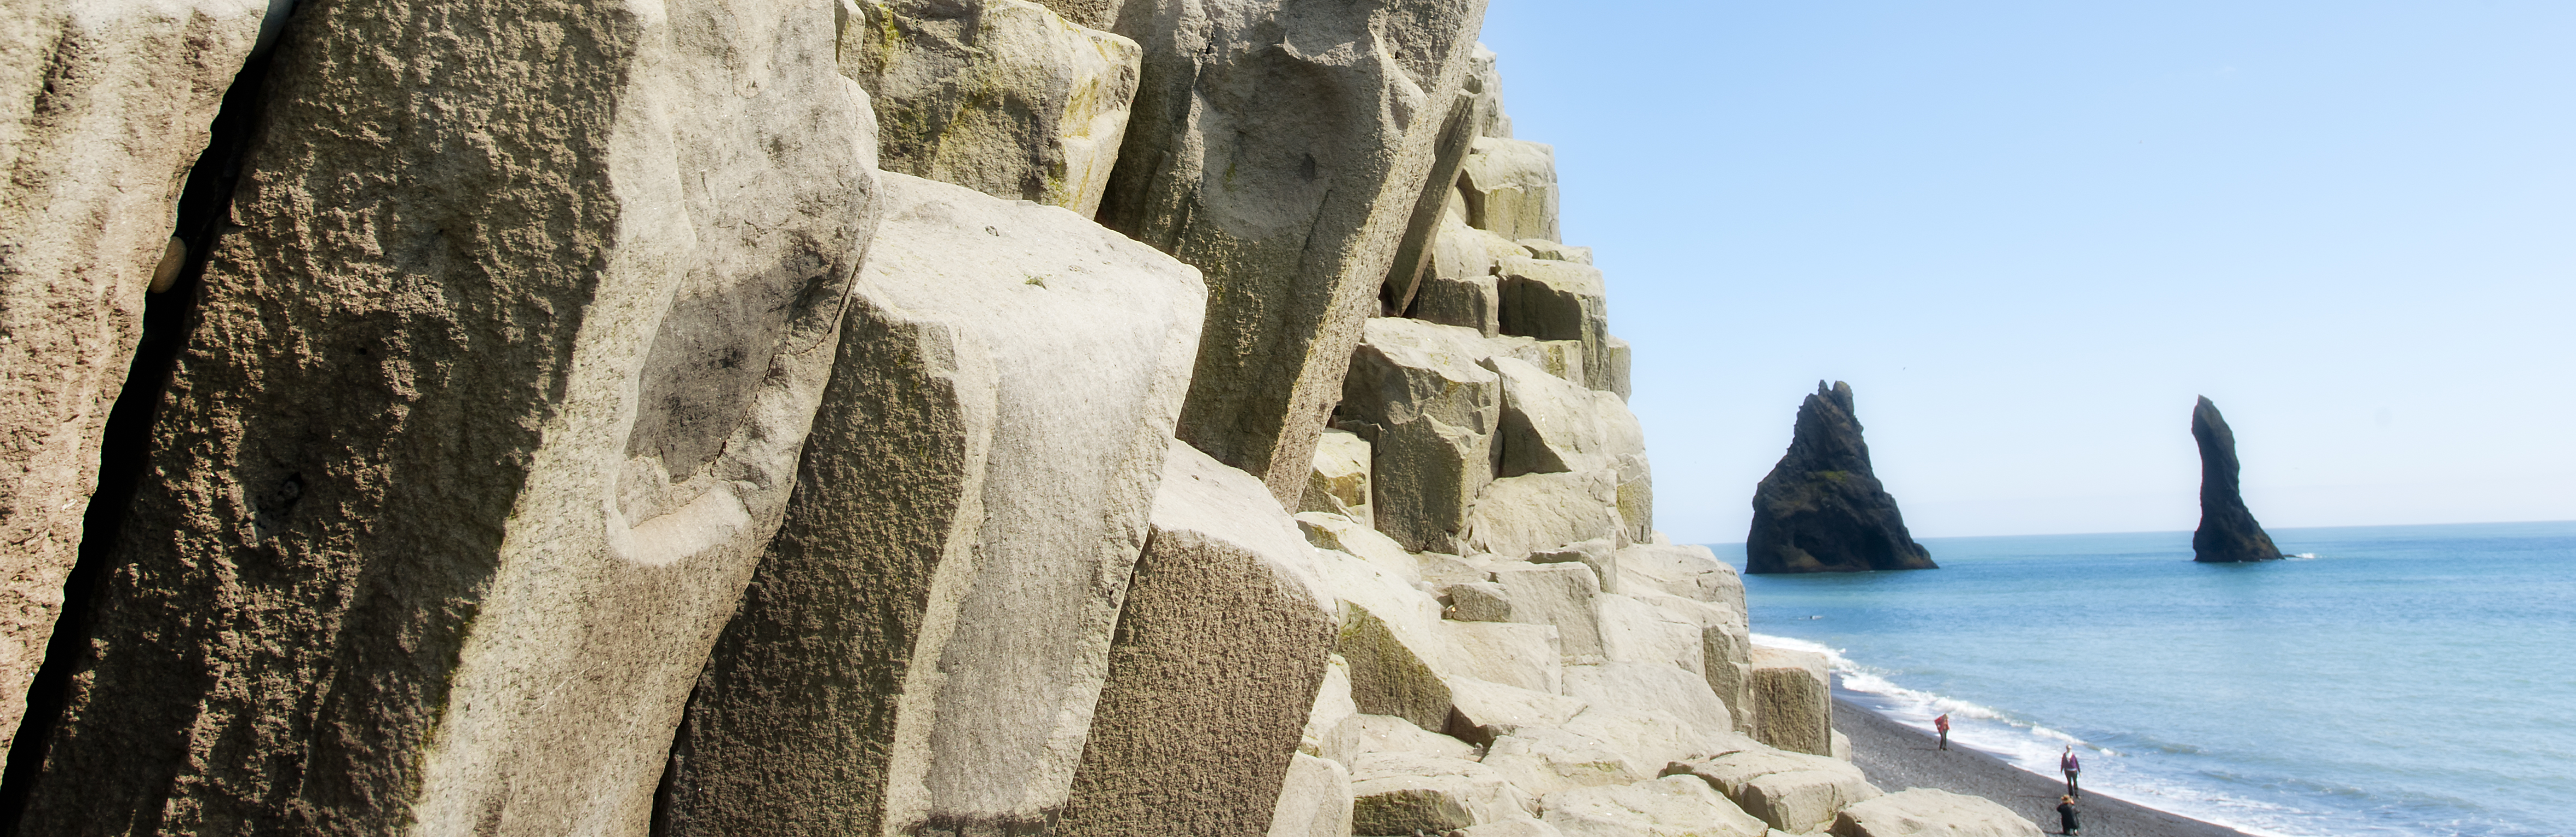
x=495, y=392
x=1280, y=148
x=103, y=107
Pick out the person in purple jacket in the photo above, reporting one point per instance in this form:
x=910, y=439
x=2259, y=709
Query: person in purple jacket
x=2070, y=767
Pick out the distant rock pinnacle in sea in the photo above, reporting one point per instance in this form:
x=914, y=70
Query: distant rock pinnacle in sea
x=2228, y=533
x=1821, y=509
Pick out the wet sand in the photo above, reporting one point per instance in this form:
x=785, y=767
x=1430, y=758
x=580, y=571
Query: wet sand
x=1895, y=757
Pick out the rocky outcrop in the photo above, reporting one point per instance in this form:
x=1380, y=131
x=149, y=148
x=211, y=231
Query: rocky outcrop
x=1000, y=96
x=581, y=434
x=107, y=106
x=1677, y=806
x=1406, y=793
x=1557, y=300
x=1008, y=576
x=1282, y=151
x=1509, y=188
x=1792, y=792
x=1793, y=701
x=1924, y=811
x=1437, y=202
x=1822, y=509
x=1340, y=483
x=1225, y=614
x=1429, y=411
x=2228, y=533
x=1314, y=800
x=493, y=396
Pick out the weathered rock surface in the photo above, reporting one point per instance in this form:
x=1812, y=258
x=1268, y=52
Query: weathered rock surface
x=1724, y=643
x=1673, y=806
x=1485, y=711
x=1541, y=248
x=1551, y=300
x=1484, y=67
x=1616, y=356
x=1924, y=811
x=1633, y=631
x=1822, y=508
x=1509, y=188
x=1646, y=736
x=2228, y=532
x=1430, y=411
x=1224, y=615
x=1314, y=800
x=1510, y=828
x=1008, y=602
x=1001, y=96
x=1552, y=425
x=1389, y=734
x=1350, y=537
x=1402, y=793
x=1648, y=687
x=107, y=108
x=1793, y=703
x=1563, y=595
x=1600, y=554
x=1561, y=358
x=487, y=412
x=1459, y=287
x=1413, y=255
x=1510, y=653
x=1545, y=760
x=1479, y=601
x=1281, y=149
x=1340, y=482
x=1391, y=672
x=1528, y=513
x=1793, y=792
x=1332, y=706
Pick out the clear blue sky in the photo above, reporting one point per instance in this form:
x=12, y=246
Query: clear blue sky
x=2028, y=233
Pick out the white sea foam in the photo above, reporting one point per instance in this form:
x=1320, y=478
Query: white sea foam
x=2036, y=748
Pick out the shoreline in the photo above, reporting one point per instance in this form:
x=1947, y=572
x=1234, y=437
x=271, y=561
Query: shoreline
x=1895, y=757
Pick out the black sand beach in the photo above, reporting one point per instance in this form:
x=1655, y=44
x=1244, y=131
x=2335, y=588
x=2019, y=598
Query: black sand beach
x=1895, y=757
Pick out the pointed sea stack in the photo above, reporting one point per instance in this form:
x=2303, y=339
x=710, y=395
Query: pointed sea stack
x=1821, y=509
x=2228, y=533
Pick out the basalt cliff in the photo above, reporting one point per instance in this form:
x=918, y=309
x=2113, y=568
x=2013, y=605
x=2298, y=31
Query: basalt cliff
x=1822, y=508
x=2228, y=532
x=886, y=417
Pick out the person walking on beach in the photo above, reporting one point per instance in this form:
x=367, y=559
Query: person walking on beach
x=2068, y=822
x=1943, y=725
x=2070, y=767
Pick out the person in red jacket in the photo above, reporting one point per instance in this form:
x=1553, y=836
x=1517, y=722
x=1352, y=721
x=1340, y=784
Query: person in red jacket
x=2070, y=767
x=1943, y=725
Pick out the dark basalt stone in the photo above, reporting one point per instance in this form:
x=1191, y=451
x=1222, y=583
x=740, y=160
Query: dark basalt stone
x=2228, y=533
x=1821, y=509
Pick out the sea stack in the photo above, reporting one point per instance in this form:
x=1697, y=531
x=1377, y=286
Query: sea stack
x=2228, y=533
x=1821, y=509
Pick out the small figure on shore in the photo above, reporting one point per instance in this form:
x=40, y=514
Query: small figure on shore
x=1942, y=724
x=2071, y=766
x=2068, y=822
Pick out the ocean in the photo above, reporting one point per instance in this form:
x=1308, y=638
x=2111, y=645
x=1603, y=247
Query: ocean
x=2410, y=681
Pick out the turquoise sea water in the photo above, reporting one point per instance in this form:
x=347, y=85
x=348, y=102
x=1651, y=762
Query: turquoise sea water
x=2397, y=680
